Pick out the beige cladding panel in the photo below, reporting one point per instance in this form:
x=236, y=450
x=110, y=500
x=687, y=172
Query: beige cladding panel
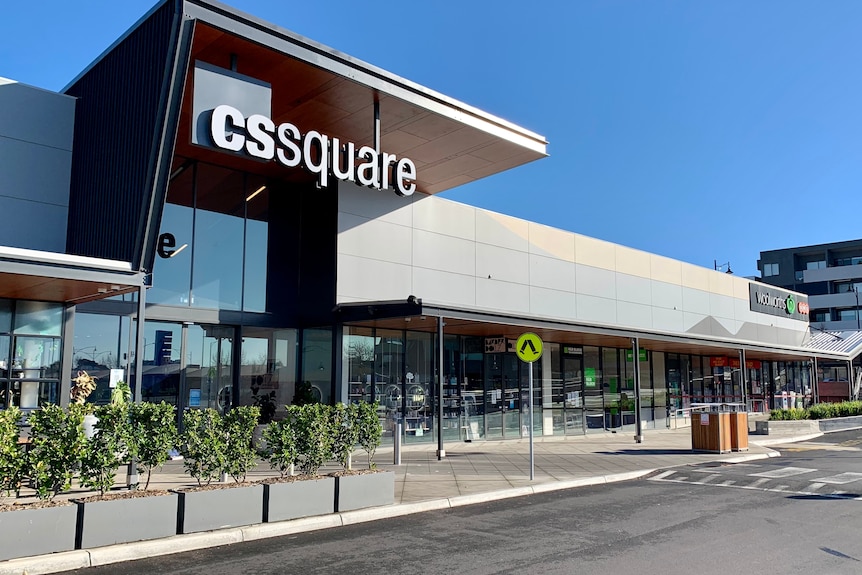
x=551, y=242
x=632, y=262
x=534, y=270
x=595, y=253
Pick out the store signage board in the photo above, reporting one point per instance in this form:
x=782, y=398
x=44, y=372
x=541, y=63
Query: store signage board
x=775, y=301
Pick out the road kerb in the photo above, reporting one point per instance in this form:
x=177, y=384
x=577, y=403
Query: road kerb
x=53, y=563
x=166, y=546
x=461, y=500
x=280, y=528
x=375, y=513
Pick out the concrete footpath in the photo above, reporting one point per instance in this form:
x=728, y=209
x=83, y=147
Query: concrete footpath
x=470, y=473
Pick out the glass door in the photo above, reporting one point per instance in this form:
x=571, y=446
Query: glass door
x=573, y=394
x=494, y=395
x=511, y=407
x=208, y=371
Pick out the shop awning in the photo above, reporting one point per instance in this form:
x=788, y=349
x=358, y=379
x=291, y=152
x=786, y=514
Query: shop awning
x=62, y=278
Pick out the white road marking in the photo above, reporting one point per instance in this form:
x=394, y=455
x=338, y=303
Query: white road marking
x=841, y=478
x=664, y=474
x=815, y=486
x=782, y=472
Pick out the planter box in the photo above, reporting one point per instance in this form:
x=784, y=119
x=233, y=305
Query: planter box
x=37, y=531
x=218, y=508
x=303, y=498
x=365, y=490
x=125, y=520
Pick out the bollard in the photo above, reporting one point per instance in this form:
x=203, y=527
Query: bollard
x=396, y=445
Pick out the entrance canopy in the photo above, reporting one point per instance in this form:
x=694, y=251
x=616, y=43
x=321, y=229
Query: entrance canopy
x=315, y=87
x=62, y=278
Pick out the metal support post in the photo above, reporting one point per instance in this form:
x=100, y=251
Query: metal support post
x=636, y=364
x=743, y=378
x=530, y=407
x=815, y=385
x=132, y=479
x=396, y=445
x=441, y=453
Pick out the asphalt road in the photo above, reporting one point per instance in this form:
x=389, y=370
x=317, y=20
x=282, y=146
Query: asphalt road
x=799, y=513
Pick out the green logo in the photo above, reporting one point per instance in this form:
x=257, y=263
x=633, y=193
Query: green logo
x=791, y=304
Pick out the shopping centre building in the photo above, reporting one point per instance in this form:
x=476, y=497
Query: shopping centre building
x=270, y=207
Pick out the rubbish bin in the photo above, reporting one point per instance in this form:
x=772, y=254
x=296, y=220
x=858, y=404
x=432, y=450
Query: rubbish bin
x=738, y=431
x=710, y=431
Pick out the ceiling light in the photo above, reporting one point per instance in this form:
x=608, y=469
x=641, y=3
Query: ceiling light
x=178, y=250
x=259, y=190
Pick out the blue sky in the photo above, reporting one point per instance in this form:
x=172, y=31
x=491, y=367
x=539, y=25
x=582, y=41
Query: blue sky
x=701, y=130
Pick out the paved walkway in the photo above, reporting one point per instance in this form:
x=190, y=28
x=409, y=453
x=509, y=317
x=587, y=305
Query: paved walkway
x=470, y=472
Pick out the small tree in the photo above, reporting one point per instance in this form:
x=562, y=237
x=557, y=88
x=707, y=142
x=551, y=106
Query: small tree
x=369, y=430
x=281, y=445
x=13, y=459
x=203, y=445
x=344, y=428
x=238, y=429
x=107, y=449
x=313, y=435
x=153, y=431
x=57, y=442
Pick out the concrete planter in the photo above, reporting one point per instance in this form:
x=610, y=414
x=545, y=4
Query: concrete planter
x=218, y=508
x=30, y=532
x=125, y=520
x=807, y=426
x=295, y=499
x=364, y=490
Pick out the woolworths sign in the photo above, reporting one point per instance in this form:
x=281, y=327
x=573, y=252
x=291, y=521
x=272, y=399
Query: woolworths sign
x=776, y=301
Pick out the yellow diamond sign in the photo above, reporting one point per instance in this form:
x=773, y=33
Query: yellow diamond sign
x=529, y=347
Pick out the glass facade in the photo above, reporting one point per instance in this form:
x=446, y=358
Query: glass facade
x=213, y=242
x=577, y=389
x=30, y=353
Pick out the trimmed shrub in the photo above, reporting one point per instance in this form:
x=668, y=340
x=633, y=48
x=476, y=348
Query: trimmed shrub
x=57, y=442
x=313, y=435
x=107, y=449
x=238, y=429
x=343, y=424
x=281, y=445
x=203, y=445
x=153, y=430
x=369, y=429
x=13, y=458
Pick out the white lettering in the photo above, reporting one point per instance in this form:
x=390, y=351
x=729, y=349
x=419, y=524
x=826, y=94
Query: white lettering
x=405, y=171
x=260, y=143
x=317, y=152
x=222, y=136
x=288, y=152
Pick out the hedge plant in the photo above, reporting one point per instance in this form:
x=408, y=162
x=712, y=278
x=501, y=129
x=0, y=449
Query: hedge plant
x=313, y=435
x=103, y=453
x=281, y=446
x=56, y=444
x=13, y=458
x=153, y=430
x=203, y=445
x=238, y=428
x=369, y=429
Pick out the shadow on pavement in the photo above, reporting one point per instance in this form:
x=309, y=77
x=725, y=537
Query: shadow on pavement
x=648, y=452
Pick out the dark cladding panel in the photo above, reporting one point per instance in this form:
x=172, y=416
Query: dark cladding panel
x=117, y=126
x=301, y=266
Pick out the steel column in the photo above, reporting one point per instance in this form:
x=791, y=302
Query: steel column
x=636, y=363
x=441, y=453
